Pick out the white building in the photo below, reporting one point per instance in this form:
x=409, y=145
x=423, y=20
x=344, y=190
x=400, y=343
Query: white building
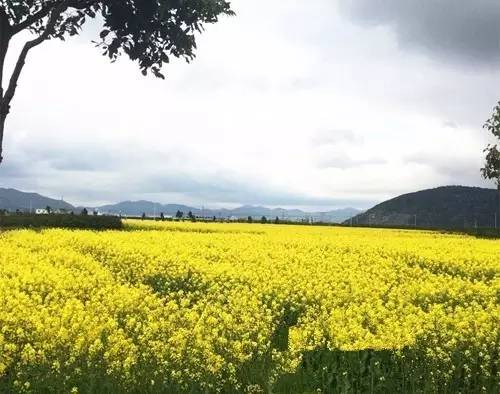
x=41, y=211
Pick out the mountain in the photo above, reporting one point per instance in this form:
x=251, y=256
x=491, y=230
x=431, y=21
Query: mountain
x=443, y=207
x=11, y=199
x=137, y=208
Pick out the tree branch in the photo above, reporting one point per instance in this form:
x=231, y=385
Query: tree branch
x=30, y=20
x=9, y=94
x=5, y=35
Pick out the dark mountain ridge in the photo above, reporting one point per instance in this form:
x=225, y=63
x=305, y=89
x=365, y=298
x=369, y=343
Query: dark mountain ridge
x=12, y=199
x=442, y=207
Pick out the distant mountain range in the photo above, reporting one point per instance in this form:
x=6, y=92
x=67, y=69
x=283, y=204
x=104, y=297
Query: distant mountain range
x=443, y=207
x=137, y=208
x=11, y=199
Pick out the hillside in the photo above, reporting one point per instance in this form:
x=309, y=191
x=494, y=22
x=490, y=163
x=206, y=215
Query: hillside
x=443, y=207
x=12, y=199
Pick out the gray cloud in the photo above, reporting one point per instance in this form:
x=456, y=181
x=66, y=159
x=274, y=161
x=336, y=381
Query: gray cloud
x=450, y=125
x=343, y=162
x=334, y=137
x=94, y=173
x=340, y=149
x=452, y=167
x=463, y=30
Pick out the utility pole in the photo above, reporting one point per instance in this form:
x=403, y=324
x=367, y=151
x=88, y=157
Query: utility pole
x=415, y=220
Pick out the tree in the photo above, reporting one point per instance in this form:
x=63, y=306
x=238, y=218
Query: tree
x=179, y=214
x=491, y=169
x=162, y=217
x=191, y=216
x=263, y=220
x=277, y=220
x=143, y=216
x=48, y=209
x=84, y=212
x=149, y=32
x=249, y=219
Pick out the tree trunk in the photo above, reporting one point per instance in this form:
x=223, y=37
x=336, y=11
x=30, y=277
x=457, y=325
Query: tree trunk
x=3, y=116
x=5, y=35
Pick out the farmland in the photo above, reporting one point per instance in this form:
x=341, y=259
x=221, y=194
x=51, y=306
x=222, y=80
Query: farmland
x=188, y=307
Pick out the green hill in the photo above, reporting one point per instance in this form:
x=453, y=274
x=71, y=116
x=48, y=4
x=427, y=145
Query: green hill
x=443, y=207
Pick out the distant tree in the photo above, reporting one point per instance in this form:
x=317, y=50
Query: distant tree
x=249, y=219
x=162, y=217
x=18, y=211
x=263, y=220
x=277, y=220
x=179, y=214
x=148, y=32
x=84, y=212
x=95, y=213
x=191, y=216
x=3, y=212
x=491, y=169
x=48, y=209
x=143, y=216
x=214, y=219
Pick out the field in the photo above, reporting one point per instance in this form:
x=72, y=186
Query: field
x=188, y=307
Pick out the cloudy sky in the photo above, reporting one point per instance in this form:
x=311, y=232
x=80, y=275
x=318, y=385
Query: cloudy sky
x=305, y=103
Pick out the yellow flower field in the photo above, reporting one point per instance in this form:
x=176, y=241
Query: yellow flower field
x=193, y=307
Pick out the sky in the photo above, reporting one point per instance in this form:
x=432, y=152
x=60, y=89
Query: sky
x=314, y=104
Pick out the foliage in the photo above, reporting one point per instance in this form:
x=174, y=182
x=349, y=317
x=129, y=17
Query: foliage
x=60, y=221
x=196, y=307
x=491, y=169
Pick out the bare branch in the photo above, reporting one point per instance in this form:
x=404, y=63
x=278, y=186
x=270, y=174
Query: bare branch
x=5, y=35
x=9, y=94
